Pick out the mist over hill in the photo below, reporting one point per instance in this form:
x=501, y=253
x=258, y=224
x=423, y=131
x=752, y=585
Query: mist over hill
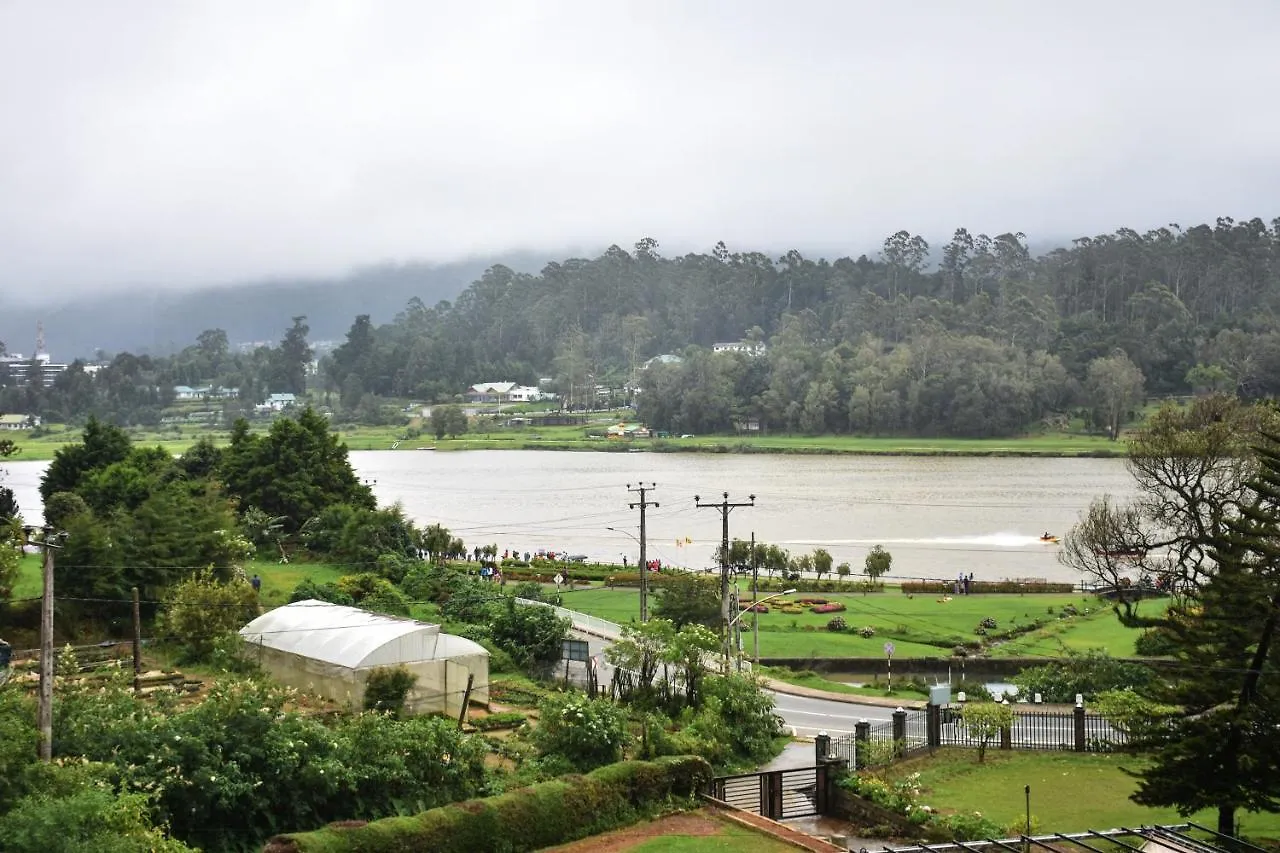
x=159, y=322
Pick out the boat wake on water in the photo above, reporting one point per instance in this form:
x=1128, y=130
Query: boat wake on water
x=986, y=540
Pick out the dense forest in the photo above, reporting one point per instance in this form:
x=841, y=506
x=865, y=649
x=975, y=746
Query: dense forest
x=975, y=338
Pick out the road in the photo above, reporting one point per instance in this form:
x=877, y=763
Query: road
x=806, y=715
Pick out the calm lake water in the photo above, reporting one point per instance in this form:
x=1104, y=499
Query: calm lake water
x=938, y=516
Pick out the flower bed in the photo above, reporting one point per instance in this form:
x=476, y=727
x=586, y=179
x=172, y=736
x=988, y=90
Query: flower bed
x=835, y=607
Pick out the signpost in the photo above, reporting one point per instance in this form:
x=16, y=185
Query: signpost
x=888, y=653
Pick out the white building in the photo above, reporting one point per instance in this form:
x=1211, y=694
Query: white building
x=748, y=347
x=330, y=650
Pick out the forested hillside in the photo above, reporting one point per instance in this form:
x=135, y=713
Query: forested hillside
x=988, y=341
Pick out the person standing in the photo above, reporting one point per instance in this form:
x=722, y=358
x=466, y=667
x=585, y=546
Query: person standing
x=256, y=583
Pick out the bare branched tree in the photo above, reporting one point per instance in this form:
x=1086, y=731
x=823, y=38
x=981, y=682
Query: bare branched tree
x=1189, y=466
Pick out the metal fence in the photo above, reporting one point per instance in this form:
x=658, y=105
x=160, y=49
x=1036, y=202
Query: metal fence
x=912, y=731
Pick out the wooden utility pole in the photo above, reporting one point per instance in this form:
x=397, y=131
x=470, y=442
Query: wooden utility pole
x=641, y=488
x=45, y=712
x=725, y=507
x=137, y=642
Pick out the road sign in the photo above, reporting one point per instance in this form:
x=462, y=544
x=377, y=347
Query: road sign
x=888, y=649
x=559, y=579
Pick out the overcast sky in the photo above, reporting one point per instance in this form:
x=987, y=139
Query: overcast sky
x=178, y=143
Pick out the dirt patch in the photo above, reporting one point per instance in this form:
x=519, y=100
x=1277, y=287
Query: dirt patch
x=621, y=840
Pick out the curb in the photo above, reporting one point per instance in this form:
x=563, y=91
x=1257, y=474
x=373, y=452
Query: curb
x=847, y=698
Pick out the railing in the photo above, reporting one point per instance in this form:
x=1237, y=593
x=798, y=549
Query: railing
x=581, y=621
x=1077, y=731
x=607, y=630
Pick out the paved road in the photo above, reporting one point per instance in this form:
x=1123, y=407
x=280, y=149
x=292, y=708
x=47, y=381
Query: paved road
x=806, y=715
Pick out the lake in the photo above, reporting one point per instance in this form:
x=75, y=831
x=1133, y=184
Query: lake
x=938, y=516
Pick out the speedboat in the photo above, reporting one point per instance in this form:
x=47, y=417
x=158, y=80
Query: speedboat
x=1050, y=539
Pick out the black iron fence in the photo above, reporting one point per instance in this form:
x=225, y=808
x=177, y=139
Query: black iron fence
x=910, y=732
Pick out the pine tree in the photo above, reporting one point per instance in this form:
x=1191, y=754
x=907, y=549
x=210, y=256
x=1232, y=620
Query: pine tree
x=1224, y=752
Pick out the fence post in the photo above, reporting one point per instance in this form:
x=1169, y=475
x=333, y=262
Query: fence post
x=821, y=747
x=861, y=737
x=900, y=732
x=1079, y=727
x=934, y=725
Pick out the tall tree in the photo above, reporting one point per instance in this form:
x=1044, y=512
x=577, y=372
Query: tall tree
x=293, y=472
x=100, y=445
x=1223, y=752
x=1116, y=385
x=293, y=358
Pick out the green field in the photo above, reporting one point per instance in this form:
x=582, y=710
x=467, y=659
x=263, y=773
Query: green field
x=1070, y=792
x=179, y=438
x=277, y=580
x=918, y=626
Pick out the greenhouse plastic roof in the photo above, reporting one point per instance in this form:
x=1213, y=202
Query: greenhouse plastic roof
x=351, y=637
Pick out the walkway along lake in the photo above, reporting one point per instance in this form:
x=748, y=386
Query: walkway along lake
x=938, y=516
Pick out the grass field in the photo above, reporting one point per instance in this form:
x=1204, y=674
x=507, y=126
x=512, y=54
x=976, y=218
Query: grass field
x=179, y=439
x=919, y=626
x=1070, y=792
x=277, y=580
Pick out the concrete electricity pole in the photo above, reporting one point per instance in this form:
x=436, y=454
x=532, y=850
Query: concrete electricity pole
x=44, y=712
x=725, y=507
x=641, y=489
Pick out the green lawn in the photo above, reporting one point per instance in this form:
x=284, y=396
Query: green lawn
x=178, y=439
x=1070, y=792
x=918, y=626
x=277, y=580
x=732, y=838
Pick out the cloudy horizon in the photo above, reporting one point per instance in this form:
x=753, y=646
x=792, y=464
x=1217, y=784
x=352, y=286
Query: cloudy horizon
x=177, y=145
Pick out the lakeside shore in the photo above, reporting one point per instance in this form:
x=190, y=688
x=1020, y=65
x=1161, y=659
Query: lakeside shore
x=386, y=438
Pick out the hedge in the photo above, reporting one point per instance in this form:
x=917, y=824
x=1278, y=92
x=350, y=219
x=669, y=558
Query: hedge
x=1006, y=586
x=531, y=818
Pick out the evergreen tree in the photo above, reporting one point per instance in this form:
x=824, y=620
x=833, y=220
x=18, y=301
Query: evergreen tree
x=100, y=445
x=1224, y=751
x=294, y=472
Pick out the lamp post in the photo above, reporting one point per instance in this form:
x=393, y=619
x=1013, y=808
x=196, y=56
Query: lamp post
x=754, y=605
x=644, y=570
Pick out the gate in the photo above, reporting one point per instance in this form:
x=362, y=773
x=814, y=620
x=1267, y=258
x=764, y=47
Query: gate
x=777, y=794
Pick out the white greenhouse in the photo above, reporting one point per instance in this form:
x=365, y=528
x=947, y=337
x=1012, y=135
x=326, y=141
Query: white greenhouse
x=329, y=650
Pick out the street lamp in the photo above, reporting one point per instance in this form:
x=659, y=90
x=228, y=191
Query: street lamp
x=752, y=609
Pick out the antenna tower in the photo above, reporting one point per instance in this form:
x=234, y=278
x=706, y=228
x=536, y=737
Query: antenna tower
x=39, y=337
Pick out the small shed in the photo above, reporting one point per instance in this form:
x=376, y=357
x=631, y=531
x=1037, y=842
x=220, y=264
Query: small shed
x=329, y=650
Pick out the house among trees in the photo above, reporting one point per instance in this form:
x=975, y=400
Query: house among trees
x=16, y=422
x=277, y=403
x=490, y=392
x=748, y=347
x=205, y=392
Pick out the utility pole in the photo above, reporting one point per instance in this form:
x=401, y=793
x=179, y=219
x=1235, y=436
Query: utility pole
x=725, y=507
x=755, y=597
x=641, y=489
x=45, y=710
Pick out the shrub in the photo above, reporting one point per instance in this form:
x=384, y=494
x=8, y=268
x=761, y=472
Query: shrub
x=1004, y=586
x=1087, y=674
x=531, y=818
x=308, y=590
x=503, y=720
x=989, y=623
x=200, y=611
x=586, y=732
x=531, y=634
x=386, y=689
x=836, y=624
x=867, y=631
x=1155, y=643
x=828, y=608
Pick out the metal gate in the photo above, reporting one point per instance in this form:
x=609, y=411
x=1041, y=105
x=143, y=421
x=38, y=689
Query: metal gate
x=777, y=794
